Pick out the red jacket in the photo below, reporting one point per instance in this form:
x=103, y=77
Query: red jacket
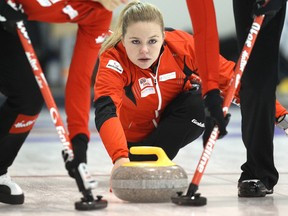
x=139, y=96
x=129, y=100
x=93, y=24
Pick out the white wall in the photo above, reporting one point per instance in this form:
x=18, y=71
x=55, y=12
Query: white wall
x=176, y=15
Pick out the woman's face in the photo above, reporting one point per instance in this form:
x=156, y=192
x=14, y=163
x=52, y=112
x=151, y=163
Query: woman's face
x=143, y=41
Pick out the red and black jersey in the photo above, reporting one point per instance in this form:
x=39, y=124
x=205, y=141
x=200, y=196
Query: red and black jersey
x=129, y=100
x=93, y=22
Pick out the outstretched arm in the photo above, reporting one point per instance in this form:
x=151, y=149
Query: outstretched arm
x=203, y=18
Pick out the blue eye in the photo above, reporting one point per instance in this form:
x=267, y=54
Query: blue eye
x=152, y=41
x=135, y=42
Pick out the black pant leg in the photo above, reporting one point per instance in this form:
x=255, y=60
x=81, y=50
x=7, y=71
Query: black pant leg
x=181, y=123
x=257, y=94
x=23, y=98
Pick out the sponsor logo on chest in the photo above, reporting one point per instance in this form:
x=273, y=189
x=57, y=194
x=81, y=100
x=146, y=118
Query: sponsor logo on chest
x=168, y=76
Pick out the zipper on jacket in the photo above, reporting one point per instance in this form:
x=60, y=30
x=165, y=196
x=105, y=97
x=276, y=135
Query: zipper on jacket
x=158, y=91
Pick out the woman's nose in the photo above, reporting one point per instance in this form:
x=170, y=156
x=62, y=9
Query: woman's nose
x=144, y=49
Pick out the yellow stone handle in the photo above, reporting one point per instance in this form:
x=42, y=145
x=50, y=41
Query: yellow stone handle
x=162, y=160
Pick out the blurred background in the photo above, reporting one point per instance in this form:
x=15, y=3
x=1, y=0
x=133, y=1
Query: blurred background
x=54, y=42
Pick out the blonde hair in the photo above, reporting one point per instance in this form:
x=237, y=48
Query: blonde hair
x=135, y=11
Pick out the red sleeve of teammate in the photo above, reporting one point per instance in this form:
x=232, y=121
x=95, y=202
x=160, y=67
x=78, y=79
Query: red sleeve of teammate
x=203, y=18
x=90, y=35
x=93, y=24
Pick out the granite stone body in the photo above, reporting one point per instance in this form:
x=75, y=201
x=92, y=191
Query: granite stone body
x=148, y=184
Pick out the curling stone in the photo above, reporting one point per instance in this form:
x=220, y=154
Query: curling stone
x=148, y=181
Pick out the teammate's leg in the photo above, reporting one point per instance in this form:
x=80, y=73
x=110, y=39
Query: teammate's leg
x=19, y=111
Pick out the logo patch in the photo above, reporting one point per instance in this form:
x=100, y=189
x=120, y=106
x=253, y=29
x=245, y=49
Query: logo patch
x=144, y=82
x=147, y=91
x=200, y=124
x=114, y=65
x=23, y=124
x=70, y=11
x=100, y=39
x=167, y=76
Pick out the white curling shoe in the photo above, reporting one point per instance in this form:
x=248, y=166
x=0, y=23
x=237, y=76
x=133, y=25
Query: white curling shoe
x=10, y=192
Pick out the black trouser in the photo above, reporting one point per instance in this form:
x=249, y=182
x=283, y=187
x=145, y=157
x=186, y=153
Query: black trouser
x=257, y=94
x=181, y=123
x=23, y=97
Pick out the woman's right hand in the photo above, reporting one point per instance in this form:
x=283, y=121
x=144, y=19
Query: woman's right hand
x=119, y=162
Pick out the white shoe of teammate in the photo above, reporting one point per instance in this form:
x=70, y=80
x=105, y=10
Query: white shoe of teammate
x=10, y=192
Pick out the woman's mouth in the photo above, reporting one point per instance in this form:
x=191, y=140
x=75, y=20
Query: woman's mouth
x=144, y=59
